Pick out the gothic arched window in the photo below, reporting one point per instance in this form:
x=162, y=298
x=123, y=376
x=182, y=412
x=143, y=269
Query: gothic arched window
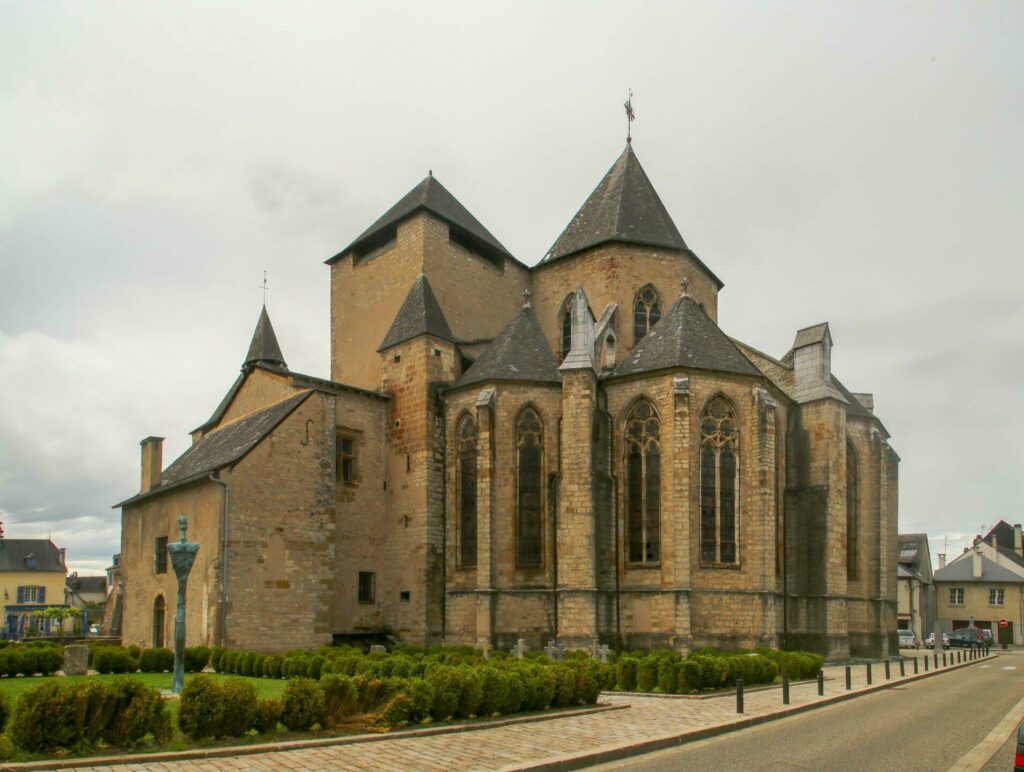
x=159, y=614
x=851, y=513
x=529, y=453
x=719, y=482
x=466, y=487
x=565, y=327
x=643, y=483
x=646, y=312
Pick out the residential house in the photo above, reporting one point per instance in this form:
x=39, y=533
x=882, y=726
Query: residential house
x=32, y=573
x=915, y=597
x=87, y=593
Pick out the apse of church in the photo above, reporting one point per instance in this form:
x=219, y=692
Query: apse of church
x=572, y=451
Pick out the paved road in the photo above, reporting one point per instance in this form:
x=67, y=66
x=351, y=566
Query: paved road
x=927, y=725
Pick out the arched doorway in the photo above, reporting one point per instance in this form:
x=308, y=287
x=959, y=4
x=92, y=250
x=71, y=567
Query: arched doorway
x=159, y=612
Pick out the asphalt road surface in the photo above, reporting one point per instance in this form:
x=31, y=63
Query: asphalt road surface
x=927, y=725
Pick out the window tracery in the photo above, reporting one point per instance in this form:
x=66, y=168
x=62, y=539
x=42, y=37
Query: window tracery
x=719, y=482
x=467, y=455
x=642, y=439
x=646, y=312
x=529, y=517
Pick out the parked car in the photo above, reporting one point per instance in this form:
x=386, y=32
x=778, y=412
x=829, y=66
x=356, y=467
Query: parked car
x=962, y=637
x=906, y=639
x=930, y=641
x=1018, y=760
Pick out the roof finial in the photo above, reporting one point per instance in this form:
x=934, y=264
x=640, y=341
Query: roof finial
x=526, y=298
x=630, y=117
x=686, y=286
x=264, y=287
x=430, y=172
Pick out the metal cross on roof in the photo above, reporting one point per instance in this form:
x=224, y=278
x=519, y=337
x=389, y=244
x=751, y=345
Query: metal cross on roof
x=685, y=284
x=264, y=286
x=630, y=116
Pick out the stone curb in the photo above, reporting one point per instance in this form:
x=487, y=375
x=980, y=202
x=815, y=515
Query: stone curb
x=712, y=695
x=139, y=759
x=615, y=753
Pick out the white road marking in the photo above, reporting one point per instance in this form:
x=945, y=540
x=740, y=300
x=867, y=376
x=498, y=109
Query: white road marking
x=1010, y=667
x=979, y=755
x=982, y=667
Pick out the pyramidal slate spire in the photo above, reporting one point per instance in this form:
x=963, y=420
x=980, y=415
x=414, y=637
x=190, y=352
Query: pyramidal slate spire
x=519, y=353
x=420, y=314
x=623, y=207
x=264, y=348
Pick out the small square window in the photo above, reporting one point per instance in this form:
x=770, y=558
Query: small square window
x=995, y=597
x=956, y=596
x=404, y=596
x=367, y=586
x=160, y=555
x=30, y=594
x=398, y=358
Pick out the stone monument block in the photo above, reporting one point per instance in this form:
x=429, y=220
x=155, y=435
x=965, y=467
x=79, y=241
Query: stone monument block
x=76, y=660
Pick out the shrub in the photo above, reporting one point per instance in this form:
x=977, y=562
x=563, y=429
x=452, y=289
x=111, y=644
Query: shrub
x=216, y=655
x=472, y=686
x=134, y=652
x=315, y=667
x=668, y=676
x=540, y=686
x=421, y=698
x=565, y=687
x=196, y=658
x=212, y=707
x=156, y=660
x=447, y=691
x=113, y=659
x=5, y=711
x=625, y=672
x=395, y=713
x=590, y=678
x=647, y=673
x=513, y=692
x=340, y=698
x=303, y=705
x=138, y=710
x=494, y=692
x=45, y=719
x=267, y=716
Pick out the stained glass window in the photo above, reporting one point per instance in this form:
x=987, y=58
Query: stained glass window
x=643, y=484
x=719, y=483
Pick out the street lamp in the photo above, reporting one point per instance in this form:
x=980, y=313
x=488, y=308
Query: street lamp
x=183, y=555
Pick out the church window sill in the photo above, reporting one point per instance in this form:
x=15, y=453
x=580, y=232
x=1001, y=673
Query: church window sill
x=715, y=565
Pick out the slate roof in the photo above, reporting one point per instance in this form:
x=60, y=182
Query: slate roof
x=420, y=314
x=855, y=407
x=1000, y=535
x=623, y=207
x=432, y=196
x=962, y=570
x=519, y=353
x=686, y=337
x=264, y=347
x=96, y=584
x=15, y=552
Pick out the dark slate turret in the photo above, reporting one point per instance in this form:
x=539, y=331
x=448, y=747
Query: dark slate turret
x=623, y=207
x=432, y=196
x=420, y=314
x=519, y=353
x=264, y=349
x=686, y=337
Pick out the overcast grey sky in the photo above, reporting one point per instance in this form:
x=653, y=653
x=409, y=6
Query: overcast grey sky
x=859, y=163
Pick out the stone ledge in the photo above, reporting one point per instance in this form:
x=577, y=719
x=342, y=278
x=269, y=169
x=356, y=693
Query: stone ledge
x=319, y=742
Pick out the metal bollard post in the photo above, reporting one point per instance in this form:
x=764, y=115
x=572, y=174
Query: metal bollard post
x=847, y=676
x=903, y=671
x=821, y=683
x=935, y=659
x=869, y=673
x=739, y=695
x=915, y=664
x=785, y=689
x=943, y=659
x=887, y=670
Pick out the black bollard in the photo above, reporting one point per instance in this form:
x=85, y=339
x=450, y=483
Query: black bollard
x=869, y=673
x=935, y=659
x=847, y=676
x=739, y=695
x=943, y=659
x=915, y=664
x=887, y=670
x=785, y=689
x=903, y=671
x=821, y=683
x=926, y=664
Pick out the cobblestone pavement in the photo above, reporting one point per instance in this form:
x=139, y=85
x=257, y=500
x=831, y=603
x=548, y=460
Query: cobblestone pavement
x=525, y=744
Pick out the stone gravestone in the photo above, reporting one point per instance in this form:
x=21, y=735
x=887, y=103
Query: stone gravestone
x=519, y=650
x=602, y=652
x=555, y=651
x=76, y=660
x=378, y=649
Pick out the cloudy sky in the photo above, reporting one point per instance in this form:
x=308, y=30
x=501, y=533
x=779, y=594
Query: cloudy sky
x=859, y=163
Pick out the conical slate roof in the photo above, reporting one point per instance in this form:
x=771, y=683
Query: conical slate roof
x=264, y=348
x=420, y=314
x=435, y=198
x=519, y=353
x=623, y=207
x=686, y=337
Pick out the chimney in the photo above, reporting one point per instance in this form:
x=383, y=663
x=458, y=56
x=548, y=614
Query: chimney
x=812, y=364
x=1018, y=540
x=942, y=560
x=976, y=557
x=152, y=463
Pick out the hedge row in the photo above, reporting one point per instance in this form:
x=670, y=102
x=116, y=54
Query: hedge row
x=57, y=715
x=115, y=659
x=29, y=660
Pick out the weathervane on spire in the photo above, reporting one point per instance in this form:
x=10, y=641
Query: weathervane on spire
x=264, y=287
x=630, y=116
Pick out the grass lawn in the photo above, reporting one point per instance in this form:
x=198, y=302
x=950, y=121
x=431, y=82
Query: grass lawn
x=13, y=687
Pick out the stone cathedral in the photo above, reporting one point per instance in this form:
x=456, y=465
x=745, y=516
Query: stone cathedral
x=573, y=450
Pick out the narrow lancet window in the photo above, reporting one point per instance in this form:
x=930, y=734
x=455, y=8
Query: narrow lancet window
x=529, y=509
x=466, y=486
x=646, y=312
x=719, y=483
x=851, y=513
x=566, y=332
x=643, y=484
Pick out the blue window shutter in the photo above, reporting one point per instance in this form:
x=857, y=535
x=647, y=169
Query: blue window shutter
x=42, y=595
x=21, y=595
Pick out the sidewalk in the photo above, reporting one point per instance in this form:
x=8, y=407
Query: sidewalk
x=565, y=743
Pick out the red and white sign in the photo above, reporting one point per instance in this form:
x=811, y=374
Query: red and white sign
x=1003, y=623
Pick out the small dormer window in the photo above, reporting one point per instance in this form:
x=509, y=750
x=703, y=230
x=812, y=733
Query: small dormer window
x=31, y=562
